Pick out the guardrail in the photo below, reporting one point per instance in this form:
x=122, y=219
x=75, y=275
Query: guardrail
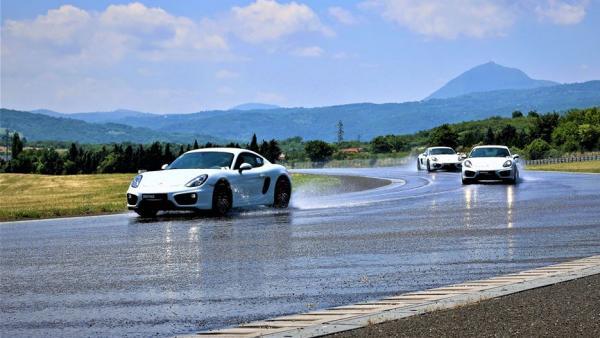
x=569, y=159
x=356, y=163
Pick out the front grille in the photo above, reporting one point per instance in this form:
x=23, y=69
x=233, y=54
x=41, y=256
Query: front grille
x=131, y=199
x=489, y=175
x=186, y=199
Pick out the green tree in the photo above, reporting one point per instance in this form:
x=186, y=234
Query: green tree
x=490, y=137
x=318, y=151
x=517, y=114
x=537, y=149
x=196, y=144
x=16, y=146
x=381, y=144
x=254, y=144
x=507, y=135
x=443, y=135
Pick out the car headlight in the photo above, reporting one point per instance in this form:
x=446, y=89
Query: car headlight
x=508, y=163
x=434, y=159
x=468, y=164
x=197, y=181
x=136, y=181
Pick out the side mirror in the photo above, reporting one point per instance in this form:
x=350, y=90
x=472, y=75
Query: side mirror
x=164, y=166
x=516, y=157
x=245, y=166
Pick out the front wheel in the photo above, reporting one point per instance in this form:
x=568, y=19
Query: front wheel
x=428, y=166
x=418, y=164
x=146, y=212
x=222, y=199
x=466, y=181
x=283, y=193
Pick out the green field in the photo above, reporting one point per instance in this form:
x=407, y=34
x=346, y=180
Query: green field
x=29, y=196
x=580, y=167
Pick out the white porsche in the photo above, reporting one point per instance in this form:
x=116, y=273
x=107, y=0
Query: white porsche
x=490, y=163
x=216, y=179
x=435, y=158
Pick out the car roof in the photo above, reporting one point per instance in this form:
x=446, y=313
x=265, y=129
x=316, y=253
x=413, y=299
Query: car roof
x=234, y=151
x=440, y=148
x=491, y=146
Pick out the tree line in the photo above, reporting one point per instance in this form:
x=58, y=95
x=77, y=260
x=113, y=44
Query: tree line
x=115, y=158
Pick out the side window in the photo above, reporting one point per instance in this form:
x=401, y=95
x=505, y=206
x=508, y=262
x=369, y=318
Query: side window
x=251, y=159
x=258, y=161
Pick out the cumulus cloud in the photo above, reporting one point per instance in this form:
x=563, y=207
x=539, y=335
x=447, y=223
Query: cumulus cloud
x=120, y=30
x=446, y=19
x=561, y=12
x=342, y=16
x=312, y=51
x=268, y=20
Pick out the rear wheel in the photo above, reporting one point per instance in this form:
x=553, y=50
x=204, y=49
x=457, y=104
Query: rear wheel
x=222, y=200
x=283, y=193
x=418, y=164
x=146, y=212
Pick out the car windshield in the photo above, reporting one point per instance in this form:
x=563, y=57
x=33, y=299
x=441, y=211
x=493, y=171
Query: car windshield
x=203, y=160
x=490, y=152
x=442, y=151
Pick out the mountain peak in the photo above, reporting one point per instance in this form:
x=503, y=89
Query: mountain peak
x=488, y=77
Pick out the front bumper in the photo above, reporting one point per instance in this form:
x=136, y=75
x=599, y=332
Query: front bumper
x=189, y=199
x=446, y=165
x=488, y=174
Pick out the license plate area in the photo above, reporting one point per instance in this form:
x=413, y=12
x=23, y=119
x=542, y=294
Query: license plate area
x=154, y=197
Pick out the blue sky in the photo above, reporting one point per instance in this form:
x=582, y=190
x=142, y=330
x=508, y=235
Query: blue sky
x=188, y=56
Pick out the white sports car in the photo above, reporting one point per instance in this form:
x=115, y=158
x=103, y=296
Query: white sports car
x=439, y=158
x=216, y=179
x=490, y=163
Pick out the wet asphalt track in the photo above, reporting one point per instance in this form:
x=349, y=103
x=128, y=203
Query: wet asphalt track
x=119, y=275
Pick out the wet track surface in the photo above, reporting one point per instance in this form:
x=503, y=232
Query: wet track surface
x=120, y=275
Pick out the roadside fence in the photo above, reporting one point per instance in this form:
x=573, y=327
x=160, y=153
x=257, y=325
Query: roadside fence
x=355, y=163
x=566, y=159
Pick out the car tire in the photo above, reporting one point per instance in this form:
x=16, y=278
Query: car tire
x=513, y=180
x=283, y=193
x=146, y=212
x=222, y=199
x=429, y=166
x=418, y=164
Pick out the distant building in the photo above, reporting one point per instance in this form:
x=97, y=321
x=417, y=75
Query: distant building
x=352, y=150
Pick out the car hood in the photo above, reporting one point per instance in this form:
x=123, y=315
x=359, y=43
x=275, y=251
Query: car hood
x=488, y=162
x=173, y=177
x=446, y=158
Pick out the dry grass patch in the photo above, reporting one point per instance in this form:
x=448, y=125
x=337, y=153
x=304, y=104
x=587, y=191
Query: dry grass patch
x=582, y=167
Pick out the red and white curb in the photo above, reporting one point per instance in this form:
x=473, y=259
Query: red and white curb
x=349, y=317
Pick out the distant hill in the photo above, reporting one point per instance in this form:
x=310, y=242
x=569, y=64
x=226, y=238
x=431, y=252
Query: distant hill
x=368, y=120
x=488, y=77
x=39, y=127
x=254, y=106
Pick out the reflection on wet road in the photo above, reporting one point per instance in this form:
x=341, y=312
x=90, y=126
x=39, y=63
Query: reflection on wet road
x=118, y=275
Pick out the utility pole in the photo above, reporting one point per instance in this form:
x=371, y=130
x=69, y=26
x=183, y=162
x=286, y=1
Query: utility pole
x=340, y=131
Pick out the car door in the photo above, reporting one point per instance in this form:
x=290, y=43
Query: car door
x=246, y=184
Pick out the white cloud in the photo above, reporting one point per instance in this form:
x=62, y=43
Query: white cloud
x=71, y=35
x=312, y=51
x=343, y=16
x=225, y=74
x=268, y=20
x=447, y=19
x=561, y=12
